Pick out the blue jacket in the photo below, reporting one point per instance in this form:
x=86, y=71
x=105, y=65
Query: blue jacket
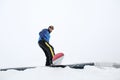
x=44, y=34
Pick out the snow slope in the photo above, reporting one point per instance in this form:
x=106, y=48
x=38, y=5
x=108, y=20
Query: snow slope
x=46, y=73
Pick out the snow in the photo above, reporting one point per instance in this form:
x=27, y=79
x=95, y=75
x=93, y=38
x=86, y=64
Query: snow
x=47, y=73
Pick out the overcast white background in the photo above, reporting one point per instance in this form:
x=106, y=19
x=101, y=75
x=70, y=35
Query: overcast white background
x=85, y=30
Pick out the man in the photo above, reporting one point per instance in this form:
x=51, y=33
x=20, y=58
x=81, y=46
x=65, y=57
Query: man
x=44, y=37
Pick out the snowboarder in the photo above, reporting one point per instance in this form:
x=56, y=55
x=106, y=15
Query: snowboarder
x=44, y=37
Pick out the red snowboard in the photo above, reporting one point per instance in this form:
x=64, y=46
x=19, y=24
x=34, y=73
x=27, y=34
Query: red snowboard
x=57, y=59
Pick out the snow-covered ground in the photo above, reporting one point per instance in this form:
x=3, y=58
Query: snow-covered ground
x=46, y=73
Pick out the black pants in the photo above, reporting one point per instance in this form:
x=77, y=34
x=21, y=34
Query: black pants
x=48, y=50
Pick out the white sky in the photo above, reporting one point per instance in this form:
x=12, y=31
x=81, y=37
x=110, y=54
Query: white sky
x=85, y=30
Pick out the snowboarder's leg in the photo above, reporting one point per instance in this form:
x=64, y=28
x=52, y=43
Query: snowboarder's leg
x=50, y=49
x=48, y=58
x=49, y=52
